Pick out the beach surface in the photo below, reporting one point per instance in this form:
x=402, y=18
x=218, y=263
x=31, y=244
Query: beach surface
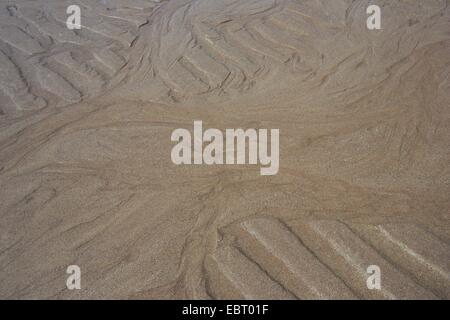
x=86, y=176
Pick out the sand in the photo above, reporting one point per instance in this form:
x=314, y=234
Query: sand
x=86, y=176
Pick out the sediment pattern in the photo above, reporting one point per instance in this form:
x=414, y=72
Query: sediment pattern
x=86, y=176
x=57, y=66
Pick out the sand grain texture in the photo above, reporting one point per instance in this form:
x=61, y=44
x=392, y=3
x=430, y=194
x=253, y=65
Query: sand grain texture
x=86, y=176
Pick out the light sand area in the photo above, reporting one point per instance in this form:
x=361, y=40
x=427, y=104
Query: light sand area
x=86, y=176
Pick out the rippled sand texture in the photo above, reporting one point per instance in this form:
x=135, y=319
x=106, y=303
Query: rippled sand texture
x=86, y=176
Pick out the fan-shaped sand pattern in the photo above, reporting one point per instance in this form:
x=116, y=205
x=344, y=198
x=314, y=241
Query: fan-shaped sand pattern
x=86, y=176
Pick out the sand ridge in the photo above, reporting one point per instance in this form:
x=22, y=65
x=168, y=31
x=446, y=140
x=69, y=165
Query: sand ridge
x=86, y=175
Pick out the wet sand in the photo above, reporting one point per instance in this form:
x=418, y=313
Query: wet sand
x=86, y=176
